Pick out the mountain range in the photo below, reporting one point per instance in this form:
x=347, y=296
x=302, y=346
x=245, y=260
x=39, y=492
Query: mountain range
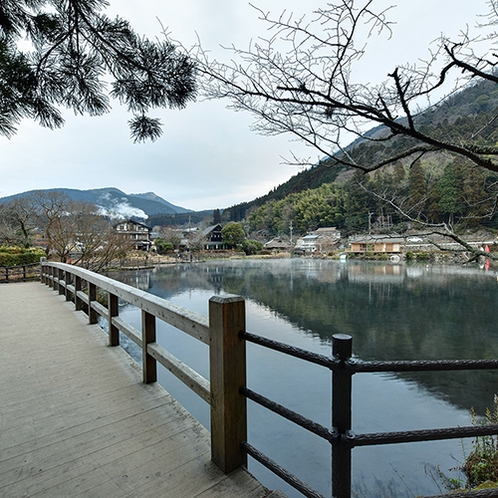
x=453, y=112
x=113, y=202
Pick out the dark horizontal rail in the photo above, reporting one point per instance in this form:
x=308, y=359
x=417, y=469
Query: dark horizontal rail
x=420, y=366
x=341, y=363
x=359, y=366
x=284, y=474
x=420, y=435
x=373, y=439
x=303, y=354
x=293, y=416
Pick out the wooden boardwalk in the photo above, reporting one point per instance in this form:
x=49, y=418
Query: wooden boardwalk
x=76, y=419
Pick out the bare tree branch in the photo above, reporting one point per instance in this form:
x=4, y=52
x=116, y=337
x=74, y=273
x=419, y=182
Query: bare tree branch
x=445, y=230
x=300, y=81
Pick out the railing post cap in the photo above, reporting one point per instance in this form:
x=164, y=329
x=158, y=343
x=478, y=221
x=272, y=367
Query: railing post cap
x=342, y=345
x=227, y=299
x=342, y=337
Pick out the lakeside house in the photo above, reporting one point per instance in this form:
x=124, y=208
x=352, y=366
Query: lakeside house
x=320, y=240
x=307, y=244
x=377, y=243
x=278, y=244
x=138, y=233
x=210, y=238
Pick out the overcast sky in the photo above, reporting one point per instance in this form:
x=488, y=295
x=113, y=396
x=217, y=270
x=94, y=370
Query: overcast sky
x=208, y=157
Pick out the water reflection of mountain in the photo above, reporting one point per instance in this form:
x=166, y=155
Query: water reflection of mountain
x=392, y=311
x=438, y=314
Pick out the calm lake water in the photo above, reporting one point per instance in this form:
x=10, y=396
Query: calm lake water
x=392, y=312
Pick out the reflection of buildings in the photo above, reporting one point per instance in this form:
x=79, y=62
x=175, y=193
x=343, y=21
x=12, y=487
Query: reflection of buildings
x=382, y=273
x=141, y=279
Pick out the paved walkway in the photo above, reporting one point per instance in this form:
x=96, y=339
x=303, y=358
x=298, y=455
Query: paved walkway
x=76, y=420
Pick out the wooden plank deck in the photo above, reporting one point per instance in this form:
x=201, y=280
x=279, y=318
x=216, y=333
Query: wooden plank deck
x=76, y=419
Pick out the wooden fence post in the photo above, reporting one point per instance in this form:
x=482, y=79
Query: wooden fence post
x=341, y=417
x=43, y=279
x=68, y=279
x=112, y=303
x=149, y=366
x=78, y=303
x=54, y=278
x=60, y=277
x=227, y=375
x=93, y=316
x=50, y=272
x=56, y=274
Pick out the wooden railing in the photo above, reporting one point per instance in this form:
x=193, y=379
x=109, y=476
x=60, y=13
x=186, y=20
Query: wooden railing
x=19, y=273
x=226, y=392
x=220, y=332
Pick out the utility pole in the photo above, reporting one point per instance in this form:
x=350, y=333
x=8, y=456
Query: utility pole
x=290, y=230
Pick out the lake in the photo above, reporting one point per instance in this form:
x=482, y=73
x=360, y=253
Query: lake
x=393, y=312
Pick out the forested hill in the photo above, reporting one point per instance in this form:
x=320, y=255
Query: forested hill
x=456, y=116
x=304, y=180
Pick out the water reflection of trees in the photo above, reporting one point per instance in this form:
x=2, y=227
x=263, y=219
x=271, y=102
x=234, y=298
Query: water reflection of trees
x=396, y=317
x=392, y=311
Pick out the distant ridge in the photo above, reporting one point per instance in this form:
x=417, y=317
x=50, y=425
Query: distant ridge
x=114, y=202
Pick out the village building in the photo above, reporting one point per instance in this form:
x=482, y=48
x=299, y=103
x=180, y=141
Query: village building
x=377, y=244
x=320, y=240
x=307, y=244
x=137, y=233
x=210, y=238
x=330, y=232
x=277, y=244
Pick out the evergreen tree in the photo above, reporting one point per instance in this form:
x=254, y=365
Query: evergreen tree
x=73, y=45
x=417, y=187
x=233, y=234
x=476, y=198
x=447, y=190
x=399, y=173
x=216, y=217
x=357, y=203
x=432, y=207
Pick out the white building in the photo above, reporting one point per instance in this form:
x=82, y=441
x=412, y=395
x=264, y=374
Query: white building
x=320, y=240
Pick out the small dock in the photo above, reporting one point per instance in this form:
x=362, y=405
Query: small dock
x=76, y=418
